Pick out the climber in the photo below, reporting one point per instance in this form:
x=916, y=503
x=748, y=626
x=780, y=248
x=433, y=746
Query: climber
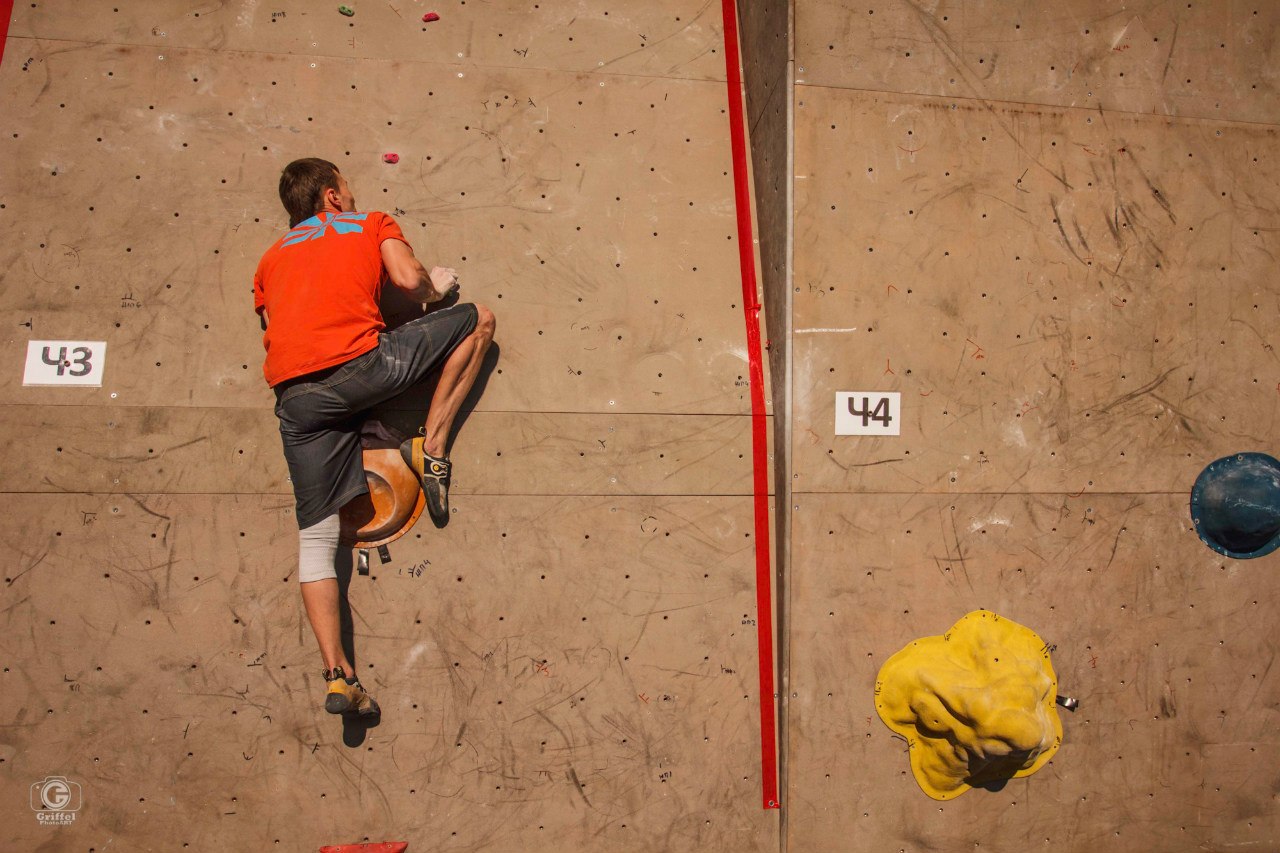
x=329, y=360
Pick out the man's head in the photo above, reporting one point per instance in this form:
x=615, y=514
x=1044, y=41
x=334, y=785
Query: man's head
x=311, y=185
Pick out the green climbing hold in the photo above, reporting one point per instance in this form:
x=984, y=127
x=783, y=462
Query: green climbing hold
x=346, y=10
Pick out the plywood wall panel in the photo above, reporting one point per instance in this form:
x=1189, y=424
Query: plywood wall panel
x=1057, y=244
x=650, y=39
x=496, y=646
x=1067, y=300
x=190, y=450
x=1209, y=60
x=601, y=223
x=1165, y=644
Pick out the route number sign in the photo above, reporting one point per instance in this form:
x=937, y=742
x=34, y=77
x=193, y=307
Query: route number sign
x=65, y=363
x=868, y=413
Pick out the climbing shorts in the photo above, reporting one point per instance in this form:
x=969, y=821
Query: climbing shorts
x=321, y=413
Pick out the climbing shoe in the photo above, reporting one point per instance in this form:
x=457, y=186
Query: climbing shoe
x=346, y=695
x=433, y=474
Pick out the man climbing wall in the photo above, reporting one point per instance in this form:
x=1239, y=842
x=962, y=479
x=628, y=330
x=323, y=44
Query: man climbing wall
x=329, y=360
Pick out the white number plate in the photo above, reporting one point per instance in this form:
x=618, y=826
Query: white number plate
x=868, y=413
x=64, y=363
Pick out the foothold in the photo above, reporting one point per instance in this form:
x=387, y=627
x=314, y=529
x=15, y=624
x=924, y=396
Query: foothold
x=391, y=158
x=391, y=506
x=975, y=705
x=430, y=17
x=1068, y=703
x=346, y=10
x=1235, y=504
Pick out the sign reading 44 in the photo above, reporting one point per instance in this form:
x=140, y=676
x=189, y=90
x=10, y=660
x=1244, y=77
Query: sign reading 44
x=868, y=413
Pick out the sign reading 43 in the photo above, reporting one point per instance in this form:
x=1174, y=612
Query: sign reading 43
x=64, y=363
x=868, y=413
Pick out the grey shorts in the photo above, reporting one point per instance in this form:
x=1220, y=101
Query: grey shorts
x=321, y=413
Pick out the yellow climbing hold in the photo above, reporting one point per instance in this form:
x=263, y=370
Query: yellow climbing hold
x=975, y=705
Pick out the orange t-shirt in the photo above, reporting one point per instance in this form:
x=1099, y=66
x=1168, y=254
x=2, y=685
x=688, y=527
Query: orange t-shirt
x=320, y=285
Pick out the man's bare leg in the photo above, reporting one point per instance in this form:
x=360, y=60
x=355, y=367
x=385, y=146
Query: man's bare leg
x=318, y=577
x=321, y=596
x=456, y=378
x=321, y=601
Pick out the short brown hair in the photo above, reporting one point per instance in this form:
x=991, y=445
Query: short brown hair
x=302, y=184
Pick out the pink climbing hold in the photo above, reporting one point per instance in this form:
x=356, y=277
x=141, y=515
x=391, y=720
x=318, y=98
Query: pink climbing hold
x=429, y=17
x=391, y=158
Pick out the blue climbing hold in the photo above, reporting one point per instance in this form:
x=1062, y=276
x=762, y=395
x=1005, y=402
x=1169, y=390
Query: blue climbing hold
x=1235, y=505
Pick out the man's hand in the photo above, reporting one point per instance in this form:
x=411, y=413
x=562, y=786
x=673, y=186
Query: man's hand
x=408, y=274
x=444, y=281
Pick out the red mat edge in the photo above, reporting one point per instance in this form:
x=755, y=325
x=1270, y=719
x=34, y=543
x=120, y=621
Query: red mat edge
x=759, y=437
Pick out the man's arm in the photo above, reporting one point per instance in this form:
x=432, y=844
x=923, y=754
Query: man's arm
x=259, y=299
x=407, y=273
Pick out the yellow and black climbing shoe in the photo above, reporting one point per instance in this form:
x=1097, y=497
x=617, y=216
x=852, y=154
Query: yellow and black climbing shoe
x=346, y=695
x=433, y=474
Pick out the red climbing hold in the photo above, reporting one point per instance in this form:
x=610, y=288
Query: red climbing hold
x=429, y=17
x=380, y=847
x=391, y=158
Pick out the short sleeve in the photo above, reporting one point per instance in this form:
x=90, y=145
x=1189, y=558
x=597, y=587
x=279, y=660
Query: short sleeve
x=259, y=298
x=389, y=229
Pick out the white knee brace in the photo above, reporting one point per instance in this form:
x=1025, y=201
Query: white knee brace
x=318, y=550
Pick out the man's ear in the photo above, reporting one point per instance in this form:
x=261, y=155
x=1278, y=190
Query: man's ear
x=331, y=198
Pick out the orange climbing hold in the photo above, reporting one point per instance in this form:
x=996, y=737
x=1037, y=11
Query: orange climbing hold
x=380, y=847
x=391, y=506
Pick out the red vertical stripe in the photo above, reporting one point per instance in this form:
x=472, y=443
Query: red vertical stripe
x=759, y=438
x=6, y=12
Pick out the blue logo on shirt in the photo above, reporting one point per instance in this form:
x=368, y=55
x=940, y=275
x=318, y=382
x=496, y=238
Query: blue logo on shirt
x=320, y=224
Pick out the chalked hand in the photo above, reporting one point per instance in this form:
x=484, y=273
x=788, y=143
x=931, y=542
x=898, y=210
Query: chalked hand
x=444, y=280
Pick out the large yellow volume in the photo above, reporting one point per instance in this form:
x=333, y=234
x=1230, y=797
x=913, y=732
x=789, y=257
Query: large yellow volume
x=975, y=705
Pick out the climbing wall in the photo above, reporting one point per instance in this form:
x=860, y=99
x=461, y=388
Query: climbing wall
x=571, y=663
x=1052, y=229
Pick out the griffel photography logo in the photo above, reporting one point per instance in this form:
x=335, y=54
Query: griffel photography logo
x=55, y=800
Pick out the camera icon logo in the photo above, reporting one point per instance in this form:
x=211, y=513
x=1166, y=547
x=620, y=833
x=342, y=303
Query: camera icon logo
x=56, y=799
